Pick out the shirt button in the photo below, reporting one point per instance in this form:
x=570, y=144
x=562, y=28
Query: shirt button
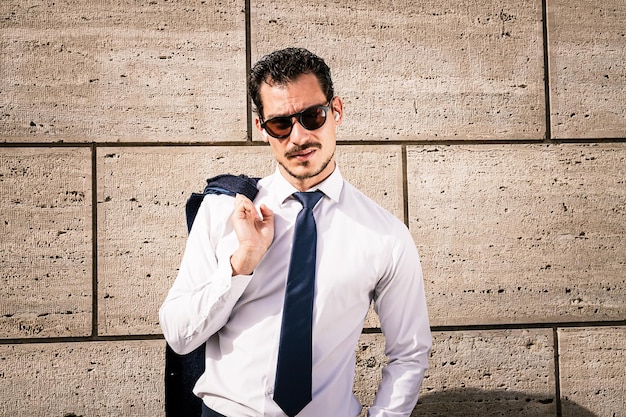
x=269, y=391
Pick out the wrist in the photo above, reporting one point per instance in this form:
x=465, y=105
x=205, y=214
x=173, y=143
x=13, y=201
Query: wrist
x=242, y=263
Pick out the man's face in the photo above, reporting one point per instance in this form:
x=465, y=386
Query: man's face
x=306, y=157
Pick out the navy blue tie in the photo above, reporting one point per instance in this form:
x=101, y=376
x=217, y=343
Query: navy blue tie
x=292, y=391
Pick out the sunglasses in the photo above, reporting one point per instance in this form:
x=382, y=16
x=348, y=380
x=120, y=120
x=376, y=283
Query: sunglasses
x=311, y=118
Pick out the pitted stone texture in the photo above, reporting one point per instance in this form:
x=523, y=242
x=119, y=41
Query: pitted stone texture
x=377, y=172
x=370, y=360
x=90, y=379
x=490, y=373
x=79, y=70
x=587, y=49
x=45, y=251
x=141, y=221
x=592, y=362
x=473, y=373
x=527, y=233
x=425, y=70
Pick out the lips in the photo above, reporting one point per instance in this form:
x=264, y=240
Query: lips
x=304, y=154
x=303, y=151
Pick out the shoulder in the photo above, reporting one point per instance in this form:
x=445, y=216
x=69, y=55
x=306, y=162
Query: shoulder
x=216, y=208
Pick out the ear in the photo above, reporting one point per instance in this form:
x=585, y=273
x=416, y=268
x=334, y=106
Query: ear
x=262, y=131
x=337, y=105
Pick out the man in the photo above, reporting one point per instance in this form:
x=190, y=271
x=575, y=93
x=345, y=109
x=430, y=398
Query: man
x=231, y=288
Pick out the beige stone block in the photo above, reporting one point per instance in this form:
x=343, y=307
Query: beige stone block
x=78, y=70
x=587, y=73
x=377, y=172
x=490, y=373
x=141, y=220
x=473, y=373
x=370, y=360
x=592, y=362
x=519, y=234
x=141, y=223
x=45, y=251
x=90, y=379
x=421, y=70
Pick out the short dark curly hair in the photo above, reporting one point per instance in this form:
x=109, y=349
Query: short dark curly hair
x=283, y=66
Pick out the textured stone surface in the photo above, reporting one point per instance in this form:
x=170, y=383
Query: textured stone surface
x=370, y=360
x=82, y=379
x=490, y=373
x=377, y=172
x=122, y=71
x=141, y=224
x=486, y=373
x=528, y=233
x=587, y=51
x=427, y=70
x=508, y=233
x=592, y=363
x=45, y=249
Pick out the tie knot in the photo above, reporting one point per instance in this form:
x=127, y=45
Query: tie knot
x=310, y=199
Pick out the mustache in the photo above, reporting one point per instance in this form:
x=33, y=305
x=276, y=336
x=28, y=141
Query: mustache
x=299, y=148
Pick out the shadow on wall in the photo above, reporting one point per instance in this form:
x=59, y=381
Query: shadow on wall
x=492, y=403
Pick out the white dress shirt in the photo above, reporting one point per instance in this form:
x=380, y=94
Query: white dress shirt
x=364, y=253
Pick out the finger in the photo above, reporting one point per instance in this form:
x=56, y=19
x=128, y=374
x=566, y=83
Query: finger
x=267, y=213
x=241, y=199
x=244, y=207
x=240, y=206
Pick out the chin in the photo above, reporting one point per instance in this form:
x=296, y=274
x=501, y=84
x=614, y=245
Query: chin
x=301, y=171
x=305, y=170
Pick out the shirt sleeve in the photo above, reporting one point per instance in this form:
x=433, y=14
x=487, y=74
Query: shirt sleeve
x=204, y=292
x=401, y=306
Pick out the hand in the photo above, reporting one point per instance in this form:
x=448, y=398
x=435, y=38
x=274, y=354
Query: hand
x=255, y=235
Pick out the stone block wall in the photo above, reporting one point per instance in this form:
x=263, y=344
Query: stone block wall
x=496, y=130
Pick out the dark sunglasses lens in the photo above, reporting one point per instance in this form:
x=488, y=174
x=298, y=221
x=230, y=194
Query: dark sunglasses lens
x=313, y=118
x=279, y=127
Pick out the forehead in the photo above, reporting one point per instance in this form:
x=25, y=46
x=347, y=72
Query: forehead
x=282, y=99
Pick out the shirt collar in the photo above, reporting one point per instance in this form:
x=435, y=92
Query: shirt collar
x=331, y=186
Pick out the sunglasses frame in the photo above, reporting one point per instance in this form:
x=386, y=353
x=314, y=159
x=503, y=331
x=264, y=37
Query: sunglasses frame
x=298, y=117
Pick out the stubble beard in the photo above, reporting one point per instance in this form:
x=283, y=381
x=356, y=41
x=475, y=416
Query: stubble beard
x=305, y=164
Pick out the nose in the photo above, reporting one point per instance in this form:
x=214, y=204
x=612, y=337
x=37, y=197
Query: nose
x=299, y=134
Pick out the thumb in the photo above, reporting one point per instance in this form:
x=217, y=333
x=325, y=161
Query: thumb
x=267, y=213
